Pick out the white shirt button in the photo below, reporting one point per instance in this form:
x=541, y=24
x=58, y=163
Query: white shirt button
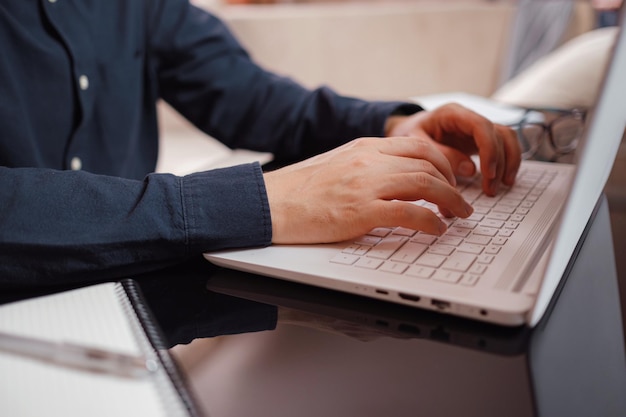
x=52, y=1
x=83, y=82
x=76, y=164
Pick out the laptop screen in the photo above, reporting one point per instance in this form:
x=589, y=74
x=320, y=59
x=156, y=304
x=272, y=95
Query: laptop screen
x=596, y=154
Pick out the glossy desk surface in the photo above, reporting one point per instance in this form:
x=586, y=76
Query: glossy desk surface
x=333, y=354
x=284, y=349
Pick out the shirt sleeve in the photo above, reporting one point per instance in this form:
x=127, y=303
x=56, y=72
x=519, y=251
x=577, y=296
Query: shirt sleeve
x=64, y=227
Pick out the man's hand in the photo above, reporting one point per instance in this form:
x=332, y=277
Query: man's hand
x=367, y=183
x=460, y=133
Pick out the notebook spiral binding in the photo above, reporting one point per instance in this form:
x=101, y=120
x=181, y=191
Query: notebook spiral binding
x=177, y=399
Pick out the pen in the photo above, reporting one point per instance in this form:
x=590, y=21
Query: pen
x=80, y=357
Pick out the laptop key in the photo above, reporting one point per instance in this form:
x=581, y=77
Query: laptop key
x=368, y=263
x=395, y=267
x=469, y=279
x=387, y=247
x=432, y=260
x=420, y=271
x=344, y=258
x=447, y=276
x=470, y=248
x=459, y=261
x=409, y=252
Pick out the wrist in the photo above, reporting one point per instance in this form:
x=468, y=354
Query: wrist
x=398, y=115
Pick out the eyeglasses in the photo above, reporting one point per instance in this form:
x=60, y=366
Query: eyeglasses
x=563, y=131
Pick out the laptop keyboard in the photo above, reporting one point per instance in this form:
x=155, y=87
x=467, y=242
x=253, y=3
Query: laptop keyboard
x=465, y=252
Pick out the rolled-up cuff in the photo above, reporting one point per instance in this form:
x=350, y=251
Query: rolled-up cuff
x=226, y=208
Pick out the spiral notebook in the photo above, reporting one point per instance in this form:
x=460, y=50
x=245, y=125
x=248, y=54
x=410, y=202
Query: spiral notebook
x=41, y=377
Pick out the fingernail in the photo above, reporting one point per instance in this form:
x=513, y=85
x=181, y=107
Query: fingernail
x=468, y=208
x=494, y=187
x=466, y=168
x=442, y=228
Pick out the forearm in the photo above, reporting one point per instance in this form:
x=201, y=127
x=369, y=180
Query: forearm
x=61, y=227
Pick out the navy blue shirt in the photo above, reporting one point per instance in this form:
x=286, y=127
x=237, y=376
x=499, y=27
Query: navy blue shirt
x=79, y=82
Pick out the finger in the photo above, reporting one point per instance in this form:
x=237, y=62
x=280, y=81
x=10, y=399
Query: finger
x=411, y=216
x=417, y=148
x=486, y=139
x=399, y=166
x=512, y=152
x=489, y=151
x=458, y=121
x=445, y=212
x=490, y=186
x=462, y=164
x=489, y=141
x=508, y=160
x=421, y=185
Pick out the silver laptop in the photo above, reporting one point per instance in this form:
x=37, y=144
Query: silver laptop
x=503, y=264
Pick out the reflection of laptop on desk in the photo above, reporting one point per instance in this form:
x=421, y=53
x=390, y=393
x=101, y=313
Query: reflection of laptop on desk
x=463, y=273
x=345, y=311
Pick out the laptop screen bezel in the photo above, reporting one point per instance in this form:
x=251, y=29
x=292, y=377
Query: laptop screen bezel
x=594, y=160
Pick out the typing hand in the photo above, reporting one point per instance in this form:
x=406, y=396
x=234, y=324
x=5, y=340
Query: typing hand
x=367, y=183
x=460, y=133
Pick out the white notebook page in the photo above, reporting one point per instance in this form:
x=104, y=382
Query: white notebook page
x=94, y=316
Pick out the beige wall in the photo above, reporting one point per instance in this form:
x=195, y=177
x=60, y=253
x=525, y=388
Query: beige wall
x=381, y=50
x=385, y=50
